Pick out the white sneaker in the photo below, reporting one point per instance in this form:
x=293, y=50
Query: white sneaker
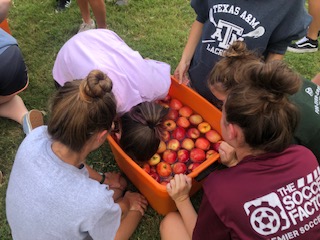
x=85, y=26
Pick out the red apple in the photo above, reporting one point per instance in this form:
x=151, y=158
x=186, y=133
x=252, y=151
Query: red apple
x=179, y=133
x=216, y=146
x=169, y=156
x=165, y=136
x=172, y=114
x=153, y=169
x=146, y=167
x=210, y=153
x=175, y=104
x=187, y=143
x=179, y=167
x=185, y=111
x=164, y=169
x=193, y=133
x=195, y=119
x=170, y=125
x=193, y=166
x=202, y=143
x=197, y=155
x=162, y=147
x=183, y=155
x=183, y=122
x=154, y=160
x=213, y=136
x=155, y=176
x=173, y=144
x=204, y=127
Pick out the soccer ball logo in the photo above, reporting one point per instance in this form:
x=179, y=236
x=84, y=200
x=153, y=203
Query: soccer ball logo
x=267, y=215
x=265, y=220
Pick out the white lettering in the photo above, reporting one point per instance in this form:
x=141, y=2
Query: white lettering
x=214, y=50
x=289, y=204
x=297, y=197
x=287, y=189
x=287, y=236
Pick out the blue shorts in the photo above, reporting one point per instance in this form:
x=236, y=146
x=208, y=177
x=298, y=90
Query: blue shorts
x=13, y=71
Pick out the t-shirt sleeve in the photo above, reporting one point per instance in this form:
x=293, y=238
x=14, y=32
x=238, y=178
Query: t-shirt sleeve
x=293, y=27
x=201, y=10
x=208, y=224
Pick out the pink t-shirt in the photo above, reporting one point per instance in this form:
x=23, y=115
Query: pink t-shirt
x=134, y=78
x=273, y=196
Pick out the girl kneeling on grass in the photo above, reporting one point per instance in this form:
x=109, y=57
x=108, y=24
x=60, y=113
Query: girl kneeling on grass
x=226, y=74
x=273, y=191
x=51, y=195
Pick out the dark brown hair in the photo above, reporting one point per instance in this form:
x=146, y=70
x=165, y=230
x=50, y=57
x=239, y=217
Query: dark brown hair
x=260, y=106
x=142, y=128
x=224, y=74
x=81, y=108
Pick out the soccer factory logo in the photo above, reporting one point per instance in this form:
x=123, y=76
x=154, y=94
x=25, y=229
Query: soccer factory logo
x=295, y=208
x=267, y=214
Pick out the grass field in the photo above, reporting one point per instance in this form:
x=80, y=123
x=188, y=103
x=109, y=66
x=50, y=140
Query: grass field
x=158, y=29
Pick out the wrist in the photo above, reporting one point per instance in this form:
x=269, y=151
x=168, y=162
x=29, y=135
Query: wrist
x=182, y=202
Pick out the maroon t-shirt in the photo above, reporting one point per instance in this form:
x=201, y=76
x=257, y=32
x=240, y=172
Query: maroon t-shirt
x=273, y=196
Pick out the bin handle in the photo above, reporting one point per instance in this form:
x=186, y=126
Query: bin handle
x=213, y=167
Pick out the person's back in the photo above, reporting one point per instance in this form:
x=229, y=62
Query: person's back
x=134, y=79
x=60, y=201
x=272, y=196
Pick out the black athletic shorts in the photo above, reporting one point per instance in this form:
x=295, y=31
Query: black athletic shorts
x=13, y=71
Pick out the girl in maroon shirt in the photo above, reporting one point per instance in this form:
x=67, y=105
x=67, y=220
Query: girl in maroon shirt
x=273, y=192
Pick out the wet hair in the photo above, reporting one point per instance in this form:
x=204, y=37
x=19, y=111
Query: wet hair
x=259, y=105
x=224, y=74
x=82, y=108
x=142, y=130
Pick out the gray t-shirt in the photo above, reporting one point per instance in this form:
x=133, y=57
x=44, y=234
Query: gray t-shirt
x=50, y=199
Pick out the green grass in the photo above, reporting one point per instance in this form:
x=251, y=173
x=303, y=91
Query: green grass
x=158, y=29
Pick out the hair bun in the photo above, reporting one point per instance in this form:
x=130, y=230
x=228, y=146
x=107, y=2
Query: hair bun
x=276, y=77
x=95, y=85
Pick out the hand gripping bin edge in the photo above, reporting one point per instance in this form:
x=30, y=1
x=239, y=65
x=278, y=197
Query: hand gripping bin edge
x=156, y=193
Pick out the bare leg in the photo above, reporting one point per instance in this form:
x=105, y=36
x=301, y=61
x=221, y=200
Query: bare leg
x=12, y=107
x=99, y=11
x=172, y=227
x=314, y=11
x=85, y=11
x=128, y=225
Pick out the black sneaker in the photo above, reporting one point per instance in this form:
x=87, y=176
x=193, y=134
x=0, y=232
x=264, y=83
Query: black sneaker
x=62, y=5
x=304, y=45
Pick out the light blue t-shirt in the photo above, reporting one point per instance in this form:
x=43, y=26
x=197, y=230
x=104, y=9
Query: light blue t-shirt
x=6, y=40
x=50, y=199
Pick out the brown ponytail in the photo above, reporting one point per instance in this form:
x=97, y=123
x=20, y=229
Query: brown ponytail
x=142, y=129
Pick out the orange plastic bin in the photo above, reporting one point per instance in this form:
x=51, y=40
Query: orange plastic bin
x=5, y=26
x=156, y=193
